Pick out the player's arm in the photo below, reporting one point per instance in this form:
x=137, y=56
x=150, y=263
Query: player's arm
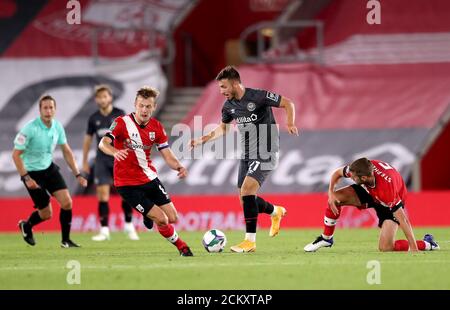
x=334, y=180
x=86, y=146
x=289, y=107
x=219, y=131
x=173, y=162
x=106, y=147
x=405, y=225
x=30, y=183
x=71, y=162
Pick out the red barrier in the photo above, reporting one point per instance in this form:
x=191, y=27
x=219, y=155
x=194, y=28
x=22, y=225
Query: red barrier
x=224, y=212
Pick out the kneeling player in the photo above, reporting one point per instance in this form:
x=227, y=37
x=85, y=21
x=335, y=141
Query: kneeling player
x=379, y=186
x=134, y=175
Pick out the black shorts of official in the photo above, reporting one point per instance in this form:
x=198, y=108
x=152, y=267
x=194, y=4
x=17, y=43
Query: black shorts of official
x=50, y=180
x=383, y=213
x=144, y=197
x=103, y=170
x=257, y=169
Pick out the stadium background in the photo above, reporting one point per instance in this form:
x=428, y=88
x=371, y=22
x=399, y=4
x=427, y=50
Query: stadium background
x=381, y=91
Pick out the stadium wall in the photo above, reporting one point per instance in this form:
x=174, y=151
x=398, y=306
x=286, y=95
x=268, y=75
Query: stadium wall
x=199, y=213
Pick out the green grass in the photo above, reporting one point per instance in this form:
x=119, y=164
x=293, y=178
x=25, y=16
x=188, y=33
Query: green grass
x=279, y=263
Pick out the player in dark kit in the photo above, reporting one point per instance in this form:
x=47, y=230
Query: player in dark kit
x=98, y=125
x=252, y=111
x=379, y=186
x=135, y=177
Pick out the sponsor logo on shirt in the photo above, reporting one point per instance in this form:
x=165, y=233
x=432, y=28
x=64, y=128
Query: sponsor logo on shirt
x=246, y=119
x=133, y=145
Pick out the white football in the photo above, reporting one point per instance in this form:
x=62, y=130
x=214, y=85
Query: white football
x=214, y=241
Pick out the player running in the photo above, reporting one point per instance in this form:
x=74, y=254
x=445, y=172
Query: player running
x=98, y=125
x=379, y=186
x=135, y=177
x=33, y=154
x=252, y=111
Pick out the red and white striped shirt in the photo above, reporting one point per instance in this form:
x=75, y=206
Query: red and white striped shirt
x=137, y=168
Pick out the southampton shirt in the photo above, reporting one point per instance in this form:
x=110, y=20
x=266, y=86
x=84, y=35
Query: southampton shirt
x=137, y=168
x=390, y=189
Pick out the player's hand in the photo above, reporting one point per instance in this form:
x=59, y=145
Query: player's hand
x=86, y=168
x=31, y=184
x=332, y=200
x=413, y=247
x=83, y=182
x=194, y=142
x=121, y=154
x=292, y=129
x=182, y=172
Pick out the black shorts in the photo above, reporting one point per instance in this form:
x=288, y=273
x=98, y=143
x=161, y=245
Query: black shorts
x=103, y=170
x=50, y=180
x=144, y=197
x=383, y=213
x=257, y=169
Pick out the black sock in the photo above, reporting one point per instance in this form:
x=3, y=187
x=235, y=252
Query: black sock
x=34, y=219
x=264, y=206
x=65, y=218
x=148, y=223
x=250, y=213
x=127, y=211
x=103, y=213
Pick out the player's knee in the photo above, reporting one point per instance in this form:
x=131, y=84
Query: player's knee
x=67, y=204
x=248, y=190
x=173, y=218
x=161, y=220
x=384, y=247
x=46, y=214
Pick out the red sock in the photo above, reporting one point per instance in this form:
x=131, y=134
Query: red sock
x=330, y=220
x=421, y=245
x=168, y=232
x=403, y=245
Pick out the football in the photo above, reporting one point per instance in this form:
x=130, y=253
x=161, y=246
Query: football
x=214, y=241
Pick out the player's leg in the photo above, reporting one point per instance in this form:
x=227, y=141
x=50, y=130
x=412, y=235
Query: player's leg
x=65, y=217
x=387, y=236
x=103, y=194
x=156, y=192
x=164, y=224
x=41, y=200
x=260, y=170
x=128, y=226
x=56, y=185
x=249, y=188
x=389, y=225
x=276, y=213
x=346, y=196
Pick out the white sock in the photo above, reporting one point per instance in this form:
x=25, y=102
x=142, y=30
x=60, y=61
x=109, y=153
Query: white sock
x=327, y=237
x=128, y=227
x=174, y=237
x=250, y=237
x=274, y=212
x=427, y=246
x=104, y=230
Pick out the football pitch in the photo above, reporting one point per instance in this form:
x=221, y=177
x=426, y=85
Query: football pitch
x=279, y=263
